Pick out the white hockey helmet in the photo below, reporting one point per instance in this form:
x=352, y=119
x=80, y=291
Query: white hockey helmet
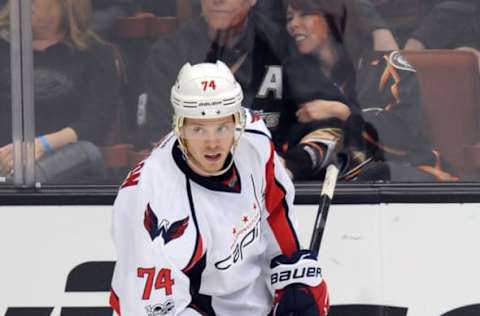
x=206, y=91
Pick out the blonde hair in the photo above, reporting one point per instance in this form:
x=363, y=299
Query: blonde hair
x=76, y=24
x=5, y=16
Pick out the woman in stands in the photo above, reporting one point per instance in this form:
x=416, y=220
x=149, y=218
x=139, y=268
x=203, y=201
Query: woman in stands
x=386, y=90
x=75, y=90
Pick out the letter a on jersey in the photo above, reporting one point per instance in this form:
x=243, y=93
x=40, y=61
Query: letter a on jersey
x=272, y=82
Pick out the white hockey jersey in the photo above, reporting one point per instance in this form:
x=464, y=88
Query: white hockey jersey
x=193, y=245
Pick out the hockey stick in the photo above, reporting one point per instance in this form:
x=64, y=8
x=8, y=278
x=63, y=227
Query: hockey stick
x=326, y=197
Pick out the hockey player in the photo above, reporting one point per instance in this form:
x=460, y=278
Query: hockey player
x=205, y=225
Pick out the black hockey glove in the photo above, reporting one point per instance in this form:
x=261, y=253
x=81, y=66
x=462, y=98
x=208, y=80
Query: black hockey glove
x=298, y=285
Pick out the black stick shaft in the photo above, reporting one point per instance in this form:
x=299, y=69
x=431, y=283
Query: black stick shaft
x=326, y=197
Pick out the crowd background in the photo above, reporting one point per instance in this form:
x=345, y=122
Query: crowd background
x=323, y=74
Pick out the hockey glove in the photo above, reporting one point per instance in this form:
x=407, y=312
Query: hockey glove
x=298, y=285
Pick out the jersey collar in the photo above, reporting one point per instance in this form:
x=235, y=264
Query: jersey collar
x=229, y=181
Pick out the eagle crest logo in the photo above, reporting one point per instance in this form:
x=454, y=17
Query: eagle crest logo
x=168, y=231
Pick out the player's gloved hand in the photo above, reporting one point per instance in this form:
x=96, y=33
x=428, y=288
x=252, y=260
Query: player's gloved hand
x=298, y=284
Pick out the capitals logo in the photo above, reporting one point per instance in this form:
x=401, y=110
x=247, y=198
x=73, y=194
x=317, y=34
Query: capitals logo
x=168, y=231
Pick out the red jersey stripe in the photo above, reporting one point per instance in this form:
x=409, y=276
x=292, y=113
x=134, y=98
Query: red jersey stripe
x=196, y=256
x=114, y=302
x=278, y=211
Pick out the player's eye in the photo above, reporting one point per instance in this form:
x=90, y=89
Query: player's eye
x=225, y=128
x=198, y=130
x=222, y=129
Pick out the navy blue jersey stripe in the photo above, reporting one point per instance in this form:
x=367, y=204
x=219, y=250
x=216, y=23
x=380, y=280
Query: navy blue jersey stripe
x=287, y=210
x=254, y=131
x=192, y=210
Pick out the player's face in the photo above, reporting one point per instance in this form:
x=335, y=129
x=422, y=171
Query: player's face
x=226, y=14
x=310, y=31
x=208, y=142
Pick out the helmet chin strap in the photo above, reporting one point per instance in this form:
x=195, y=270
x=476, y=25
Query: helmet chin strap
x=197, y=166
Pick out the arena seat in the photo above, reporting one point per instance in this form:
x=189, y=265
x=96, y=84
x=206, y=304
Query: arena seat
x=113, y=145
x=450, y=89
x=145, y=25
x=135, y=35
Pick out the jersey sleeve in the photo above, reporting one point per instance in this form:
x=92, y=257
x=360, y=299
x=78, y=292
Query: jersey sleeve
x=148, y=278
x=280, y=226
x=279, y=223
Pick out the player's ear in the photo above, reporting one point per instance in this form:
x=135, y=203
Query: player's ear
x=253, y=2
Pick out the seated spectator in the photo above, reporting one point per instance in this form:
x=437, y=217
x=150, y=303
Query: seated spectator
x=411, y=24
x=449, y=26
x=254, y=49
x=76, y=92
x=386, y=91
x=446, y=26
x=231, y=37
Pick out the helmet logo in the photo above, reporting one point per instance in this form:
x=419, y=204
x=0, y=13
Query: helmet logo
x=209, y=84
x=214, y=103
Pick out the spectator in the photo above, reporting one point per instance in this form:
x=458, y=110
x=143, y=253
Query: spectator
x=411, y=24
x=449, y=25
x=393, y=112
x=254, y=49
x=237, y=39
x=76, y=91
x=444, y=26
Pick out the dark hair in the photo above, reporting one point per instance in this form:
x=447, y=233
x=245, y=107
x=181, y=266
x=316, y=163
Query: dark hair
x=310, y=6
x=344, y=70
x=335, y=23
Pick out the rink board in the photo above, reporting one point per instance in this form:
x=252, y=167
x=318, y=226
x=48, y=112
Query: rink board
x=397, y=259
